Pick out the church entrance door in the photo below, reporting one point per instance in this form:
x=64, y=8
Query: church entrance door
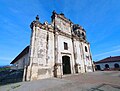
x=66, y=65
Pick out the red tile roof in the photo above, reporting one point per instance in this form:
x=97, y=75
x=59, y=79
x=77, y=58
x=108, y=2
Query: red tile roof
x=109, y=59
x=25, y=51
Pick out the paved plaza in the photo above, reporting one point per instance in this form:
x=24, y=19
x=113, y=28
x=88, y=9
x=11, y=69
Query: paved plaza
x=95, y=81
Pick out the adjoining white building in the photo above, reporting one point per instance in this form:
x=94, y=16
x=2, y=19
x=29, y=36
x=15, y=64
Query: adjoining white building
x=109, y=63
x=21, y=60
x=55, y=49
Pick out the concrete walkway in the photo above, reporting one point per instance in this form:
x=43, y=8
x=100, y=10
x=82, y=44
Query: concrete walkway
x=96, y=81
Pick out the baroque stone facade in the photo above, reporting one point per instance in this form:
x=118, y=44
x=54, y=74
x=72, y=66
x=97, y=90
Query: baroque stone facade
x=57, y=49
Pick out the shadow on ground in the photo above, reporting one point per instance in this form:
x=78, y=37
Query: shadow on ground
x=104, y=87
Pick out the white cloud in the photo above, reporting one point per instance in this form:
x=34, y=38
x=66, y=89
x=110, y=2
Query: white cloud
x=109, y=52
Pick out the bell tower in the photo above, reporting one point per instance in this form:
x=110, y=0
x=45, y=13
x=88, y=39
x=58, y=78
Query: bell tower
x=33, y=63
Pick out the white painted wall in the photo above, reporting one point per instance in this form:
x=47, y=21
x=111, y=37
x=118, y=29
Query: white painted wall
x=111, y=65
x=20, y=64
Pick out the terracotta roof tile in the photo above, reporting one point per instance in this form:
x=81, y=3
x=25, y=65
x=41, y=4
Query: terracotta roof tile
x=110, y=59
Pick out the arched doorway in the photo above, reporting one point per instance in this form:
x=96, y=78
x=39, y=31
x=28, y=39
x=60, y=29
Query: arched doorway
x=66, y=65
x=98, y=67
x=116, y=65
x=106, y=66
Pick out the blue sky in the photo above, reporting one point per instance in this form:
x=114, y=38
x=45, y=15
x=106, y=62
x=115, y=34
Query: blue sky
x=100, y=18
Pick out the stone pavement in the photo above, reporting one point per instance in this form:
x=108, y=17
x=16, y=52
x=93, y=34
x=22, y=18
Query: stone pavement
x=95, y=81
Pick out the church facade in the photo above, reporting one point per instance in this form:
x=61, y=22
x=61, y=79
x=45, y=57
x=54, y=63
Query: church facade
x=55, y=50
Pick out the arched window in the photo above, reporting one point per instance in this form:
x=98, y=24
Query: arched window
x=106, y=66
x=83, y=34
x=86, y=49
x=116, y=65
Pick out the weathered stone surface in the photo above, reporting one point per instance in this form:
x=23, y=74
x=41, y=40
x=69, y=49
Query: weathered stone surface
x=51, y=42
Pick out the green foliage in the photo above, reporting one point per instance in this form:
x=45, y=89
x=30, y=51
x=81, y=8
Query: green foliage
x=4, y=68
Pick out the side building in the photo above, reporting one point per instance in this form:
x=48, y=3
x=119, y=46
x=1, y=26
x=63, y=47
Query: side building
x=109, y=63
x=55, y=49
